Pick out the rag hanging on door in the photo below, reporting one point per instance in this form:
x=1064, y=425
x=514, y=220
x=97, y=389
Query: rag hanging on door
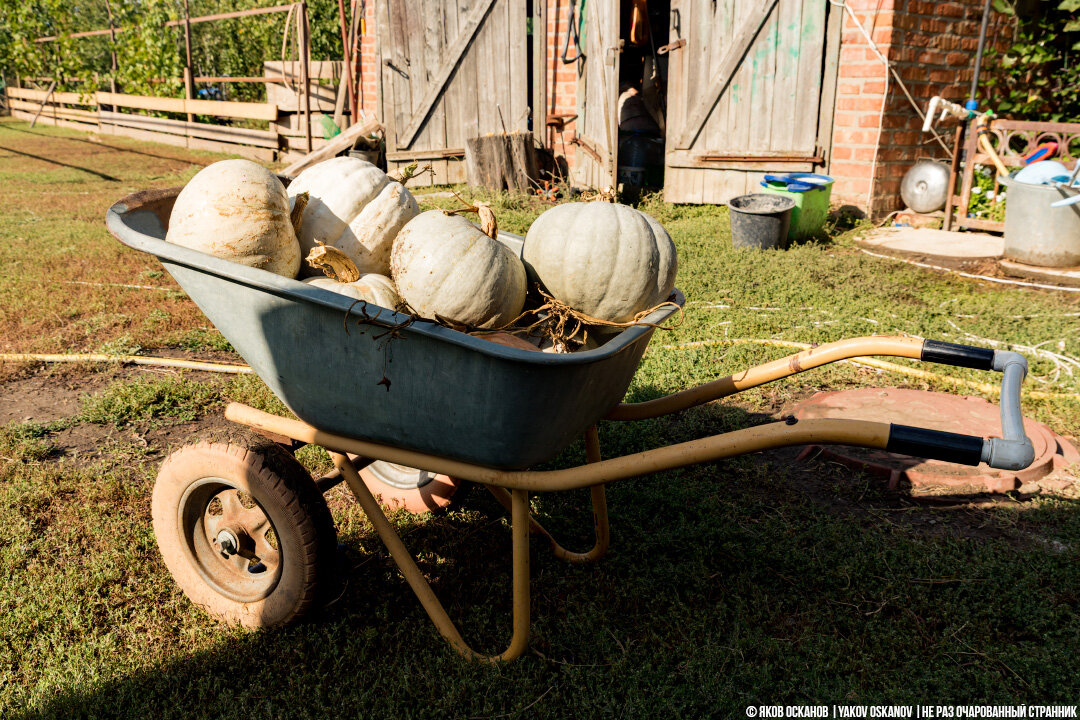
x=639, y=23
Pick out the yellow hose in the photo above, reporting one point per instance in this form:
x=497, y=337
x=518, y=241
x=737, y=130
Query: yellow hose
x=133, y=359
x=877, y=364
x=982, y=129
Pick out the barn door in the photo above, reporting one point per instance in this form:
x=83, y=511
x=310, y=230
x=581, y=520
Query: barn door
x=597, y=123
x=745, y=94
x=450, y=70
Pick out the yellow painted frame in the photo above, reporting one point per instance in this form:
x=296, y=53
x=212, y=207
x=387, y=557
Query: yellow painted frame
x=512, y=487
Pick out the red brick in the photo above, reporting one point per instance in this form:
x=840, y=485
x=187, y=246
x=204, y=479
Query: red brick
x=865, y=70
x=841, y=153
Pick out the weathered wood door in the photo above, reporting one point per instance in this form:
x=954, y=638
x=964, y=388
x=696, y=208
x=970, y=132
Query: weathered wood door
x=750, y=92
x=597, y=126
x=450, y=70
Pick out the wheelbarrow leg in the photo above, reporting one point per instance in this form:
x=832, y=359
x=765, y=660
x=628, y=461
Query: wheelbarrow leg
x=599, y=507
x=403, y=559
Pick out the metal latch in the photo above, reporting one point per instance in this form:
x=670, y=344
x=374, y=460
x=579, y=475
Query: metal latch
x=665, y=49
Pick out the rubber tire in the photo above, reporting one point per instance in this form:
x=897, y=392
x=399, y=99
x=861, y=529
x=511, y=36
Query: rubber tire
x=285, y=492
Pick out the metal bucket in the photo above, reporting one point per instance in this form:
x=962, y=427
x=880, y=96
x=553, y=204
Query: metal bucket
x=760, y=220
x=1036, y=233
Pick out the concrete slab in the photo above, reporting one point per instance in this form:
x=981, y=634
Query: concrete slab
x=929, y=242
x=1069, y=276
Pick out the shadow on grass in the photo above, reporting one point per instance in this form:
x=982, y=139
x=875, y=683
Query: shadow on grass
x=101, y=175
x=726, y=586
x=105, y=146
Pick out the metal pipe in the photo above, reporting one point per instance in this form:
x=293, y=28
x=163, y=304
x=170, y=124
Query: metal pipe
x=599, y=508
x=782, y=368
x=346, y=76
x=419, y=584
x=737, y=442
x=979, y=54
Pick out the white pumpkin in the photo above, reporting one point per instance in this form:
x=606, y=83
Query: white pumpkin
x=373, y=288
x=355, y=207
x=239, y=211
x=443, y=265
x=606, y=260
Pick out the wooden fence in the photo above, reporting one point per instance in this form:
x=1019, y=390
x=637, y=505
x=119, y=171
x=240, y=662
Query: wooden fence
x=112, y=114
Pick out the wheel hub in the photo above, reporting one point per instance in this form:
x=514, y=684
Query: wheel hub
x=228, y=541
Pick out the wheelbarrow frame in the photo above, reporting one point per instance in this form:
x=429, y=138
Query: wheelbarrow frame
x=512, y=487
x=257, y=311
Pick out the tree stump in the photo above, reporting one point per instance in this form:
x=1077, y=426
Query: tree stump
x=505, y=161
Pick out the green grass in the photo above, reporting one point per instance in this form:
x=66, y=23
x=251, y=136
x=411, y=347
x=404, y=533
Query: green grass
x=749, y=581
x=149, y=400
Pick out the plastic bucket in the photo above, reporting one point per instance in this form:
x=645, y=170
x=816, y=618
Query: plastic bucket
x=811, y=193
x=760, y=220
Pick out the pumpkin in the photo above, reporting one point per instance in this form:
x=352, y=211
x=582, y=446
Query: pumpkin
x=238, y=211
x=355, y=207
x=605, y=260
x=376, y=289
x=445, y=267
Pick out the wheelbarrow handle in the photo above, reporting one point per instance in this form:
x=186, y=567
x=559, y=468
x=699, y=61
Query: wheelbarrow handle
x=1013, y=451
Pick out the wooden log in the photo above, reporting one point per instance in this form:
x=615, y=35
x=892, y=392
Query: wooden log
x=501, y=161
x=44, y=101
x=334, y=146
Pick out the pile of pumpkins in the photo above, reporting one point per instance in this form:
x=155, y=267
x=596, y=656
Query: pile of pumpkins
x=605, y=260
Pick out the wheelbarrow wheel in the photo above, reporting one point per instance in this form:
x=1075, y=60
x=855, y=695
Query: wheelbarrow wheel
x=245, y=532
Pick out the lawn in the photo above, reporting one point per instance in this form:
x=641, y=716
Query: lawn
x=755, y=580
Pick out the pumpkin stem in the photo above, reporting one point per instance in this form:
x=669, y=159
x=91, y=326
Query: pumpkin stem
x=488, y=224
x=297, y=213
x=409, y=172
x=333, y=263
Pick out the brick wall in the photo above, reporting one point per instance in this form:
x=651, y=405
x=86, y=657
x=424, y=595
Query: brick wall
x=561, y=78
x=369, y=79
x=932, y=47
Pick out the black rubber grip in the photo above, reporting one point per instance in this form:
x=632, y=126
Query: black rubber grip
x=959, y=355
x=935, y=444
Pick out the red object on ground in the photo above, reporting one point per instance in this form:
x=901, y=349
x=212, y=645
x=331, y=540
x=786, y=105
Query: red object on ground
x=403, y=487
x=938, y=411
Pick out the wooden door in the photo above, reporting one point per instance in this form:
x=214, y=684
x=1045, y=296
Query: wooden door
x=750, y=92
x=450, y=70
x=597, y=126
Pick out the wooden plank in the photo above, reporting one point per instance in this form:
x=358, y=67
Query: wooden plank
x=761, y=57
x=827, y=102
x=70, y=113
x=455, y=100
x=43, y=103
x=691, y=160
x=434, y=154
x=539, y=72
x=320, y=70
x=483, y=48
x=808, y=90
x=787, y=113
x=453, y=55
x=218, y=108
x=433, y=48
x=68, y=98
x=58, y=122
x=745, y=37
x=334, y=146
x=323, y=98
x=257, y=138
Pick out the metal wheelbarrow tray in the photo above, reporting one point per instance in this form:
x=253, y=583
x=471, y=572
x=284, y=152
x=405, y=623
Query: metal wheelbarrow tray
x=369, y=384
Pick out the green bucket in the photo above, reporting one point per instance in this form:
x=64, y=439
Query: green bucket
x=811, y=193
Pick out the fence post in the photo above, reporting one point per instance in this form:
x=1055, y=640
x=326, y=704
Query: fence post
x=188, y=76
x=305, y=50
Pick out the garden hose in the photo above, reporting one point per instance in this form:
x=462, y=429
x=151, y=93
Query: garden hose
x=982, y=129
x=236, y=369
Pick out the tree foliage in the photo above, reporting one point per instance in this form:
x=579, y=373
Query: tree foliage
x=1038, y=76
x=150, y=54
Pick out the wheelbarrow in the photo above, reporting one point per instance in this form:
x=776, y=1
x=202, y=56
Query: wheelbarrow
x=247, y=534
